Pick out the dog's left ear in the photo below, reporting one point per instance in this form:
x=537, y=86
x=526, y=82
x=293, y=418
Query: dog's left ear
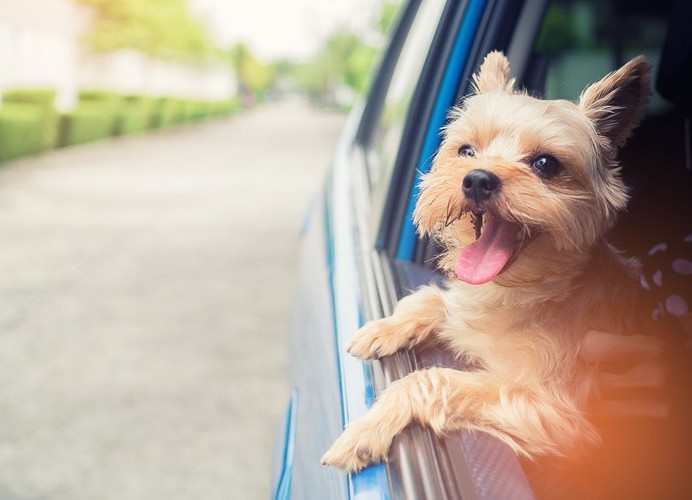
x=493, y=74
x=616, y=103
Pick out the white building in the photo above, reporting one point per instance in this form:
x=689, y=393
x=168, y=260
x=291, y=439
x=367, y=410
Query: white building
x=40, y=47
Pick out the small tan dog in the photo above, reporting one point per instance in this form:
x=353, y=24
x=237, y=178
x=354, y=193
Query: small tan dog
x=521, y=194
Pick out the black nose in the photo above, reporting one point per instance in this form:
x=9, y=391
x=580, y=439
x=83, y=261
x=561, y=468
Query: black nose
x=479, y=184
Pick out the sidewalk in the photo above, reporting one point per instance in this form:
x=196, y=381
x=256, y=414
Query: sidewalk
x=145, y=294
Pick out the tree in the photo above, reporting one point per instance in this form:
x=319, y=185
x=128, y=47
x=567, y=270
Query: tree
x=254, y=77
x=164, y=29
x=347, y=58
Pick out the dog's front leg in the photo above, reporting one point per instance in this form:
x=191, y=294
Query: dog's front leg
x=441, y=398
x=415, y=317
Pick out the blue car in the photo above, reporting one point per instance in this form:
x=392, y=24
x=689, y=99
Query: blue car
x=361, y=253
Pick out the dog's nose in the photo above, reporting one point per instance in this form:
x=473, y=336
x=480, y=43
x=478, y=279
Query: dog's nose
x=479, y=185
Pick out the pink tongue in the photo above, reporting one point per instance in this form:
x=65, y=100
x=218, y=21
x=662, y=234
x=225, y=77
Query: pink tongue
x=483, y=259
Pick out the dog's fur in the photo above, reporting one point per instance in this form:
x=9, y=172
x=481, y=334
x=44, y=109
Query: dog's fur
x=521, y=330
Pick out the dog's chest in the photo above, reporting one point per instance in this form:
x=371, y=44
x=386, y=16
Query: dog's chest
x=511, y=341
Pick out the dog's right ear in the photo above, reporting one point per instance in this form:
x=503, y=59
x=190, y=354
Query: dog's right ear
x=616, y=103
x=493, y=74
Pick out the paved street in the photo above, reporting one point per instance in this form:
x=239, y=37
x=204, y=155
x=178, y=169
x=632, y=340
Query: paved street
x=145, y=289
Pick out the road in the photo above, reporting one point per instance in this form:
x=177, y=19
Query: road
x=146, y=286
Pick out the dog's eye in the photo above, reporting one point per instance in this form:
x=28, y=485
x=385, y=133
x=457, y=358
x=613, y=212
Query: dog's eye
x=546, y=166
x=467, y=151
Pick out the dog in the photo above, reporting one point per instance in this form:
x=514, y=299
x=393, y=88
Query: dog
x=520, y=197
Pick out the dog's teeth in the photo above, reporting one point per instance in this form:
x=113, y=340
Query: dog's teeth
x=477, y=220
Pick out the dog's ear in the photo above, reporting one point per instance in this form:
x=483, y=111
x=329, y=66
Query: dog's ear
x=616, y=103
x=493, y=74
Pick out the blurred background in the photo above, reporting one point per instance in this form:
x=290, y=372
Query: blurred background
x=156, y=160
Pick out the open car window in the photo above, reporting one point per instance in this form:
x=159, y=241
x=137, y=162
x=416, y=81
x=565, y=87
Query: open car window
x=389, y=127
x=387, y=132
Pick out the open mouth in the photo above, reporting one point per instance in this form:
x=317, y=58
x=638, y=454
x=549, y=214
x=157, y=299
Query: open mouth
x=497, y=242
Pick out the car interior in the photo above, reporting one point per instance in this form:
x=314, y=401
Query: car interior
x=641, y=458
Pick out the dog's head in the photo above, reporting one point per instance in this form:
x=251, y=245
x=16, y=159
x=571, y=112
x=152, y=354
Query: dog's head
x=513, y=169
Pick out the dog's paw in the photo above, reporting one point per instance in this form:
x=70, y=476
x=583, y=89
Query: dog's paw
x=376, y=339
x=355, y=450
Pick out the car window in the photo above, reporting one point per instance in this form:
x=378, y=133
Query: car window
x=390, y=124
x=577, y=44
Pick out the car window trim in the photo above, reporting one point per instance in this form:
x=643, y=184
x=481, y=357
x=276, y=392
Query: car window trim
x=378, y=90
x=395, y=199
x=458, y=51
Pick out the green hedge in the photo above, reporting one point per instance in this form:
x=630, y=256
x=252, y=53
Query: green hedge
x=21, y=130
x=29, y=122
x=166, y=112
x=109, y=102
x=156, y=117
x=88, y=122
x=229, y=106
x=178, y=110
x=45, y=100
x=134, y=115
x=94, y=118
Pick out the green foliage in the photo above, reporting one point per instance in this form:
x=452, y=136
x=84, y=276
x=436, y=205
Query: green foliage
x=109, y=103
x=346, y=60
x=254, y=76
x=359, y=68
x=164, y=29
x=21, y=130
x=559, y=31
x=29, y=122
x=189, y=107
x=134, y=115
x=388, y=14
x=157, y=113
x=226, y=107
x=45, y=100
x=89, y=121
x=178, y=110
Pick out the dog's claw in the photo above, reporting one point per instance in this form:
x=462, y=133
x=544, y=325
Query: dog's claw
x=374, y=340
x=356, y=449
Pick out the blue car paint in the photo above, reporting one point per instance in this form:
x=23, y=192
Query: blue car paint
x=314, y=371
x=284, y=452
x=356, y=384
x=445, y=100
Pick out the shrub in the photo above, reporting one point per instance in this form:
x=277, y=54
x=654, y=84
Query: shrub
x=189, y=107
x=179, y=111
x=45, y=100
x=158, y=110
x=198, y=110
x=229, y=106
x=168, y=112
x=108, y=102
x=134, y=115
x=21, y=130
x=89, y=121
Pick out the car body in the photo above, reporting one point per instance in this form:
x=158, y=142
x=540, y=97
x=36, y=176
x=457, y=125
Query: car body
x=360, y=249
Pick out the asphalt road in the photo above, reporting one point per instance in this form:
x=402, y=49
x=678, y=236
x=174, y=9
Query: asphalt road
x=145, y=290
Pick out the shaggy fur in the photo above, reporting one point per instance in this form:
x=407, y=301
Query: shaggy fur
x=522, y=330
